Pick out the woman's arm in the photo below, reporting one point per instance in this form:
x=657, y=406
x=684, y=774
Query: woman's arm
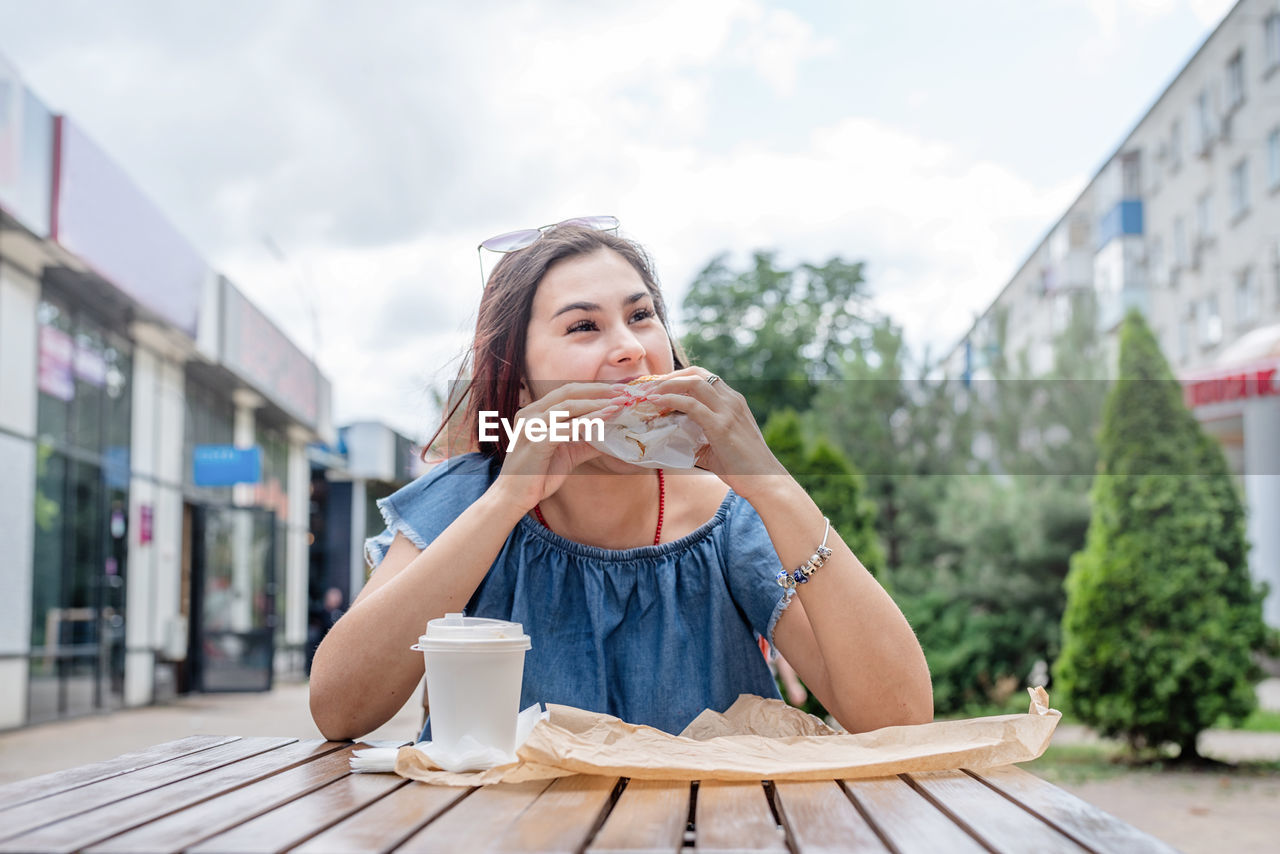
x=364, y=671
x=842, y=632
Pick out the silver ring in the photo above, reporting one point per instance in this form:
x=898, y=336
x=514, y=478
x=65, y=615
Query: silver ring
x=712, y=379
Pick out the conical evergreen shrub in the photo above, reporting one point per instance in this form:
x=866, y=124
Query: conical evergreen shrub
x=1162, y=618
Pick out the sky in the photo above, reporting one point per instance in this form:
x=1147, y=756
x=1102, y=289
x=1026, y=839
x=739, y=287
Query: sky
x=340, y=161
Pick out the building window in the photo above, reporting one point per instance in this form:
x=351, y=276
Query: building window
x=1175, y=146
x=1155, y=262
x=1131, y=175
x=1204, y=221
x=1204, y=122
x=1235, y=80
x=1275, y=271
x=1208, y=321
x=1246, y=299
x=1273, y=39
x=1240, y=189
x=1273, y=158
x=1184, y=337
x=1180, y=254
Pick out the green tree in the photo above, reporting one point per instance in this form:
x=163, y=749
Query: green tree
x=831, y=481
x=773, y=332
x=1162, y=617
x=899, y=424
x=1045, y=423
x=991, y=607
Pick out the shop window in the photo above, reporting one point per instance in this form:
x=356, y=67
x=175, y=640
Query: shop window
x=84, y=377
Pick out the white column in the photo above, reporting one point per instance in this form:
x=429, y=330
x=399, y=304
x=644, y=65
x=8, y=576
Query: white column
x=244, y=435
x=358, y=497
x=19, y=298
x=154, y=585
x=171, y=422
x=1262, y=495
x=297, y=549
x=139, y=663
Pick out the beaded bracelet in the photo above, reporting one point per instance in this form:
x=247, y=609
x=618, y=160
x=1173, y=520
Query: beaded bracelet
x=788, y=580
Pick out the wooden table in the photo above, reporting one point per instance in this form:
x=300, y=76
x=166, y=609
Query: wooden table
x=226, y=793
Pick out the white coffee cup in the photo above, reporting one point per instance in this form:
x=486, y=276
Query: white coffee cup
x=474, y=668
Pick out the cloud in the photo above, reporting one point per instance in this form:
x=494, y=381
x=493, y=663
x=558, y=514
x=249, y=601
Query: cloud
x=777, y=44
x=378, y=143
x=1111, y=15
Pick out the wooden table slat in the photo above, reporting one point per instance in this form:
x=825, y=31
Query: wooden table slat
x=731, y=816
x=909, y=820
x=1079, y=819
x=18, y=820
x=388, y=821
x=210, y=794
x=650, y=817
x=189, y=826
x=819, y=817
x=1000, y=823
x=86, y=828
x=302, y=818
x=25, y=791
x=563, y=817
x=477, y=821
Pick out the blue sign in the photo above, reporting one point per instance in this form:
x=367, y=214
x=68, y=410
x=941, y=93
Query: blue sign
x=225, y=465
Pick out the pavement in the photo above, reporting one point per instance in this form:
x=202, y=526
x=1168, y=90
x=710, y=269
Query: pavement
x=35, y=750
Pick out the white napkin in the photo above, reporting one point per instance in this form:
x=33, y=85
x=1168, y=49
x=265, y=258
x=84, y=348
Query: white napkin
x=670, y=441
x=467, y=755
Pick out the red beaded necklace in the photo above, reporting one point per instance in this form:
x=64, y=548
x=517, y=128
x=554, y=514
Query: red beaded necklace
x=662, y=506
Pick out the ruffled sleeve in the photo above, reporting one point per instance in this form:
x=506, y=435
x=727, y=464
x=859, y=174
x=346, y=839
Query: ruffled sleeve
x=752, y=568
x=424, y=508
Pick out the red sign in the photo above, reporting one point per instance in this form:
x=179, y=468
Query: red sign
x=1264, y=382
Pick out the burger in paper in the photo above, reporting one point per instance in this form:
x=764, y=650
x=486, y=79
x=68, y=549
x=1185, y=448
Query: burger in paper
x=647, y=435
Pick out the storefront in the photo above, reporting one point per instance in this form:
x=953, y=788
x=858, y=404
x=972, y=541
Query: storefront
x=369, y=462
x=1238, y=403
x=130, y=572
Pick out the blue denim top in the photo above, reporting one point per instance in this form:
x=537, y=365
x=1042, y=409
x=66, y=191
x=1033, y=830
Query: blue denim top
x=652, y=635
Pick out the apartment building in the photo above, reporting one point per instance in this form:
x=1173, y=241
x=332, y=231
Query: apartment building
x=1183, y=223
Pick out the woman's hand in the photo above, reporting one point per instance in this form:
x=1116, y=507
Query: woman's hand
x=534, y=470
x=736, y=450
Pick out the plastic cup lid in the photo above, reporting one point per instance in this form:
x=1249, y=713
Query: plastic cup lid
x=459, y=632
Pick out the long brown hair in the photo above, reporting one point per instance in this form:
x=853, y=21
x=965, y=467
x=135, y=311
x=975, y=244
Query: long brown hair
x=493, y=368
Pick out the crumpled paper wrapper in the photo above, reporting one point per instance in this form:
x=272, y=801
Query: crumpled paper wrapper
x=667, y=441
x=755, y=739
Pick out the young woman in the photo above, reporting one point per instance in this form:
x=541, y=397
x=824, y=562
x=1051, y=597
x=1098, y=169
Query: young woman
x=643, y=591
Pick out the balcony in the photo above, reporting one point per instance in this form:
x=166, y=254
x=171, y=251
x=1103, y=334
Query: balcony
x=1122, y=220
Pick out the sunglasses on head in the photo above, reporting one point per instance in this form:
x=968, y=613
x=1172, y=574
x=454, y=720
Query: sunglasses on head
x=512, y=241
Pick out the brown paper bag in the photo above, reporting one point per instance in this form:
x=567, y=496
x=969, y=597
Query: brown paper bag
x=755, y=739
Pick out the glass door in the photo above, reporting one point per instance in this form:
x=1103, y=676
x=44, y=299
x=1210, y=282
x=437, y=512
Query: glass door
x=233, y=591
